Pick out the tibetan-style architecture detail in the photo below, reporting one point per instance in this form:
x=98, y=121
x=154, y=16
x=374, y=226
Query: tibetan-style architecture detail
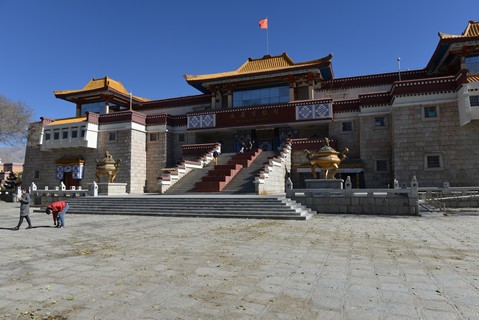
x=396, y=124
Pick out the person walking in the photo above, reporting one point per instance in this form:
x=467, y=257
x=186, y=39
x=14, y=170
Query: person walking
x=24, y=200
x=215, y=157
x=58, y=210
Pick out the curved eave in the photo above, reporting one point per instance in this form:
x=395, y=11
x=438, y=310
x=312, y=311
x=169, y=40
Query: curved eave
x=74, y=96
x=201, y=82
x=202, y=85
x=443, y=49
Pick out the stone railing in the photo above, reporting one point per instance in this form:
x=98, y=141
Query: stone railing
x=170, y=176
x=359, y=201
x=272, y=178
x=450, y=197
x=47, y=195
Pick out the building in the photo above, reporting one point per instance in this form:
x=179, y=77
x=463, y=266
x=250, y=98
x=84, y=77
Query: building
x=422, y=123
x=7, y=168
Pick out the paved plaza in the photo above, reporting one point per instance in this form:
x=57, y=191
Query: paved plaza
x=330, y=267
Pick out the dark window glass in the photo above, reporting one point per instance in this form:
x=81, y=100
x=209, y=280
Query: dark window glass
x=65, y=134
x=181, y=137
x=56, y=134
x=472, y=64
x=430, y=112
x=381, y=165
x=112, y=136
x=47, y=135
x=261, y=96
x=74, y=133
x=153, y=136
x=347, y=126
x=433, y=162
x=379, y=122
x=474, y=100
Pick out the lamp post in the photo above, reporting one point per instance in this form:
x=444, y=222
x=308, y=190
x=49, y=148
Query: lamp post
x=399, y=68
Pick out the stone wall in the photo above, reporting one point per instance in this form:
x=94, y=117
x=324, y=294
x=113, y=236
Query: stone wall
x=348, y=140
x=155, y=161
x=129, y=147
x=137, y=168
x=399, y=204
x=375, y=144
x=414, y=137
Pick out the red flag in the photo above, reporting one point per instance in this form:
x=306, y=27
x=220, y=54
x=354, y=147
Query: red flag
x=263, y=24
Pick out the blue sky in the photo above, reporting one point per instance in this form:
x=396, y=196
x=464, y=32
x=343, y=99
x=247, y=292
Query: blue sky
x=148, y=45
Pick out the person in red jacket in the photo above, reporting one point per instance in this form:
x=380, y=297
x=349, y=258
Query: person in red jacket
x=58, y=210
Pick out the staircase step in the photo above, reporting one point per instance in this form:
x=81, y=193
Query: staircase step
x=254, y=207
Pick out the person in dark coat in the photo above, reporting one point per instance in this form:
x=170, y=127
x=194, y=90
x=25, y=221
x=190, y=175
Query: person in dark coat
x=24, y=200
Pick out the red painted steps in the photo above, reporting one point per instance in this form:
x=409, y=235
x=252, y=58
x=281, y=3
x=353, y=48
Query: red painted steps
x=218, y=178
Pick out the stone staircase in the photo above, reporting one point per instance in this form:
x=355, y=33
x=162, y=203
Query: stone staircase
x=249, y=207
x=188, y=182
x=243, y=183
x=222, y=174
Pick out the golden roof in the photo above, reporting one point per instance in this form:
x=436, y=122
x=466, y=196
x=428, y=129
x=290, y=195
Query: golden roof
x=100, y=83
x=472, y=30
x=66, y=121
x=264, y=64
x=473, y=78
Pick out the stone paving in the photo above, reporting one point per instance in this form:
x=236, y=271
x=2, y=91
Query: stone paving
x=330, y=267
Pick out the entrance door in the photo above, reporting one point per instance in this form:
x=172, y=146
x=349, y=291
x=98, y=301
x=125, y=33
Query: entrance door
x=69, y=181
x=265, y=139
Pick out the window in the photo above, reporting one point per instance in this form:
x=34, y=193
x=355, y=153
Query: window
x=82, y=131
x=36, y=174
x=382, y=166
x=379, y=122
x=261, y=96
x=433, y=162
x=153, y=136
x=56, y=134
x=112, y=136
x=472, y=64
x=65, y=134
x=347, y=126
x=181, y=137
x=48, y=135
x=430, y=112
x=97, y=107
x=74, y=132
x=474, y=100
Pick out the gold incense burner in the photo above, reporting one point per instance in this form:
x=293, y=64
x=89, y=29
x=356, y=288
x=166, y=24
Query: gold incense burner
x=108, y=166
x=326, y=159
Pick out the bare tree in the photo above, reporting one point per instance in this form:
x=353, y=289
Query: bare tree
x=14, y=119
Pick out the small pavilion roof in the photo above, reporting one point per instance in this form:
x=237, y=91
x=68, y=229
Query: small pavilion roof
x=100, y=84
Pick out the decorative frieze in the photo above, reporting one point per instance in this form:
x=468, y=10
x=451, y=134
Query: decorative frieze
x=314, y=111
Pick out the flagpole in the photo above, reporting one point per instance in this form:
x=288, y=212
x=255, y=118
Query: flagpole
x=267, y=37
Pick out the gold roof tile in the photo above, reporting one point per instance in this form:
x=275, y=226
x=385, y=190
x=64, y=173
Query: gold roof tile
x=472, y=30
x=66, y=121
x=473, y=78
x=100, y=83
x=264, y=64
